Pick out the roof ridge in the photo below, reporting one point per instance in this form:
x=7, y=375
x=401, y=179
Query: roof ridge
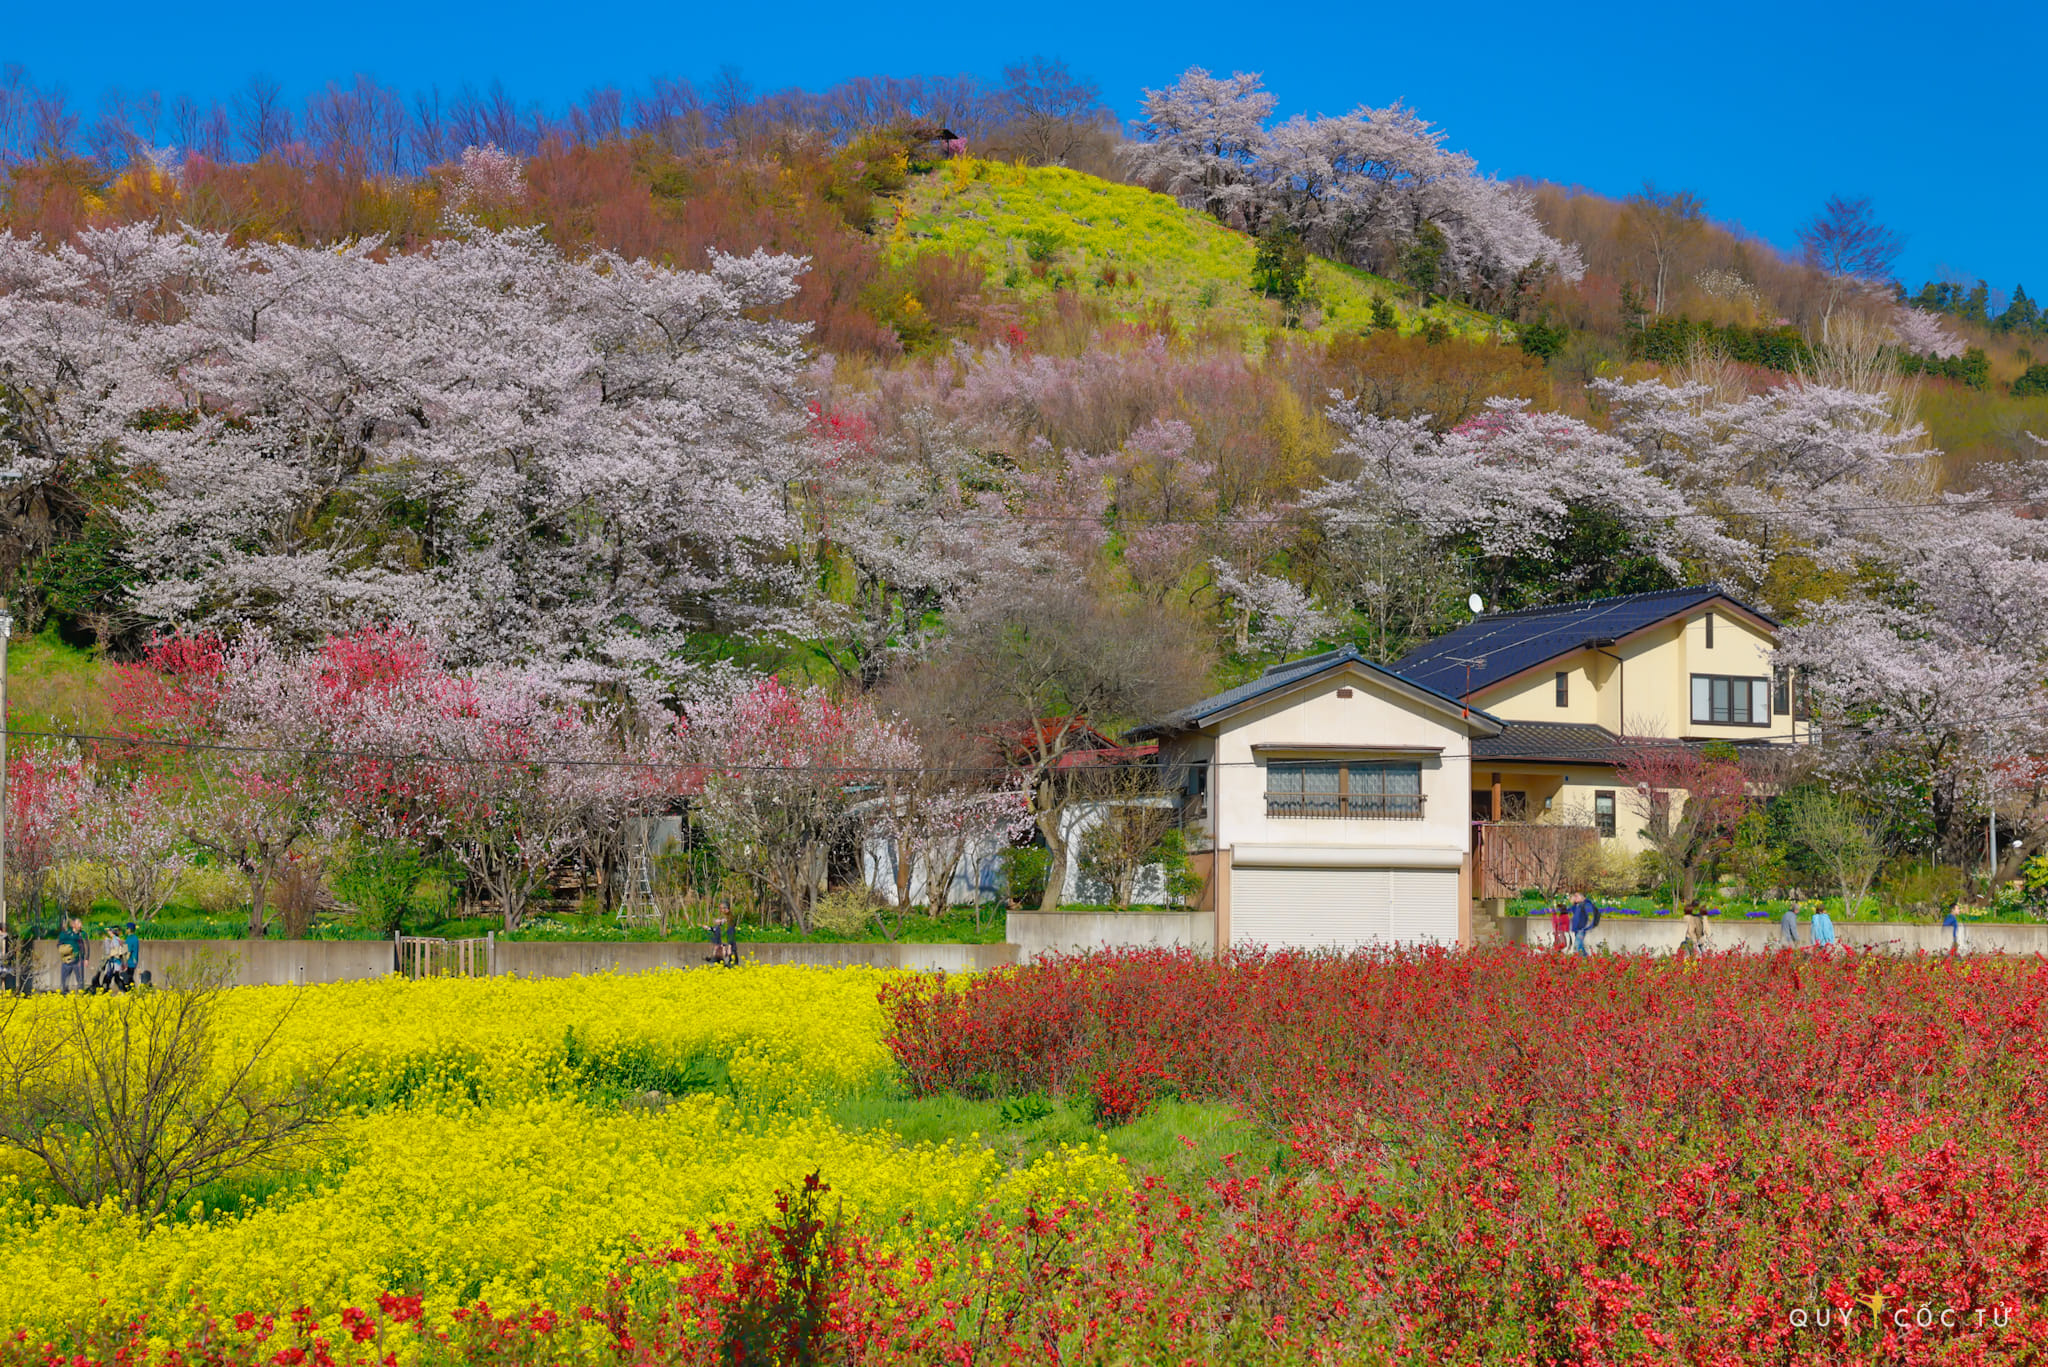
x=1320, y=658
x=1706, y=590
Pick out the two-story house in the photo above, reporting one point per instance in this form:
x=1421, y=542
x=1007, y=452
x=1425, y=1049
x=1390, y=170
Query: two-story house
x=1570, y=681
x=1329, y=801
x=1334, y=800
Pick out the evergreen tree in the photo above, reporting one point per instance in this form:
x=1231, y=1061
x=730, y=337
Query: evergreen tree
x=1977, y=308
x=1280, y=267
x=2022, y=314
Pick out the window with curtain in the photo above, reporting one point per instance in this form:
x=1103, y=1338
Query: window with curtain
x=1346, y=788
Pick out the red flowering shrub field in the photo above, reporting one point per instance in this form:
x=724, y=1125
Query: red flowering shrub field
x=1486, y=1157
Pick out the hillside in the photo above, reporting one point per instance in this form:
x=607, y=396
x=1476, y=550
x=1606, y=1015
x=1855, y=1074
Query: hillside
x=1041, y=229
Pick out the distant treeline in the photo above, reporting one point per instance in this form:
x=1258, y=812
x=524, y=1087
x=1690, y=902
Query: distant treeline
x=2019, y=316
x=1668, y=341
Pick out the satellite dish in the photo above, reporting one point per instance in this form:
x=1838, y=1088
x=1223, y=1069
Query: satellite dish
x=1476, y=603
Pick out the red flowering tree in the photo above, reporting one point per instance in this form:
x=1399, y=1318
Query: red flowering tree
x=1690, y=799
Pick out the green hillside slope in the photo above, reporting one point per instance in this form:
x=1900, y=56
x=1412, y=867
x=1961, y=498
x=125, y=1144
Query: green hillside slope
x=1045, y=228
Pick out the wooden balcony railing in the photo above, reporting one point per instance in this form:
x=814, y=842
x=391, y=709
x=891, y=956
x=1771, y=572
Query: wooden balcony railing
x=1509, y=856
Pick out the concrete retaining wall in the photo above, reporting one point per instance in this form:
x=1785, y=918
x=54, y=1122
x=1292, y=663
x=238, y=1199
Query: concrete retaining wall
x=1037, y=933
x=277, y=963
x=1662, y=934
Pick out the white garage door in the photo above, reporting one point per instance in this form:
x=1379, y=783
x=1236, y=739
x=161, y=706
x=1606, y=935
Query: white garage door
x=1284, y=908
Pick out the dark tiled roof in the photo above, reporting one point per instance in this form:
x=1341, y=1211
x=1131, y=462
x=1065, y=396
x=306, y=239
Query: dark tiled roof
x=1504, y=643
x=1559, y=742
x=1286, y=674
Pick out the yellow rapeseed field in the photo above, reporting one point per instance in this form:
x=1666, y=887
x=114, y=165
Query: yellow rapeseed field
x=472, y=1166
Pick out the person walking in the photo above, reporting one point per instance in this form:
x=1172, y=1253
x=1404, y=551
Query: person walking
x=132, y=942
x=71, y=955
x=1560, y=925
x=1581, y=922
x=1954, y=926
x=113, y=955
x=1790, y=921
x=1695, y=927
x=1823, y=925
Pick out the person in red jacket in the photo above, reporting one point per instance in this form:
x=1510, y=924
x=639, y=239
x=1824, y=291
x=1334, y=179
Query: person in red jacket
x=1560, y=926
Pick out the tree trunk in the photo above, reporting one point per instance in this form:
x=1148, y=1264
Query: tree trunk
x=906, y=872
x=1056, y=865
x=259, y=878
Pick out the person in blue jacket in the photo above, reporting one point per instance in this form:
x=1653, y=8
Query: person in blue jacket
x=1581, y=921
x=1823, y=925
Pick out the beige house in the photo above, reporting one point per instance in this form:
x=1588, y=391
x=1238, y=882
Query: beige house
x=1569, y=681
x=1329, y=802
x=1336, y=803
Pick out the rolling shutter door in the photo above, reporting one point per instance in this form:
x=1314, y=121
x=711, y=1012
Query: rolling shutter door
x=1284, y=908
x=1310, y=908
x=1425, y=906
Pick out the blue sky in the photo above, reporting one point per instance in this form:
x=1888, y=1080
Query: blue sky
x=1765, y=109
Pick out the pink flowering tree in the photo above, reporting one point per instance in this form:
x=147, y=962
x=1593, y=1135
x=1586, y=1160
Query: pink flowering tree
x=505, y=770
x=46, y=783
x=249, y=711
x=783, y=769
x=136, y=830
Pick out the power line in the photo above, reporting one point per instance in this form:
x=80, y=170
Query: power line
x=1957, y=503
x=709, y=767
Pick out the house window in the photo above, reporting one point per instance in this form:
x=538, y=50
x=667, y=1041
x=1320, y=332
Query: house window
x=1349, y=789
x=1731, y=700
x=1603, y=813
x=1514, y=806
x=1781, y=691
x=1800, y=692
x=1564, y=688
x=1710, y=631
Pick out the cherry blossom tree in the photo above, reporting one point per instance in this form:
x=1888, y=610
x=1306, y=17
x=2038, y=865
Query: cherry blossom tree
x=1921, y=333
x=1199, y=138
x=569, y=463
x=1359, y=187
x=917, y=520
x=1507, y=481
x=1921, y=702
x=1800, y=469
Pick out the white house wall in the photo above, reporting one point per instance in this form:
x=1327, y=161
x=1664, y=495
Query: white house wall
x=1372, y=718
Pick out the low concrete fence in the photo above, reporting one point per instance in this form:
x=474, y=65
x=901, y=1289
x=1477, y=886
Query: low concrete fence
x=1662, y=934
x=278, y=963
x=1037, y=933
x=566, y=958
